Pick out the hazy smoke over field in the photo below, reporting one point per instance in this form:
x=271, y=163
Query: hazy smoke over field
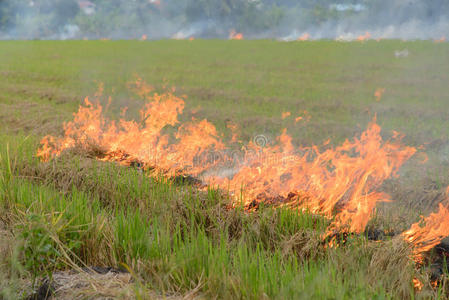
x=282, y=19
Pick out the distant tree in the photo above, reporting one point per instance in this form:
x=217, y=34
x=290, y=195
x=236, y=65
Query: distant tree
x=6, y=14
x=259, y=18
x=132, y=18
x=65, y=9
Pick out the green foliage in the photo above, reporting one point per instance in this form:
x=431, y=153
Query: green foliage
x=132, y=236
x=39, y=249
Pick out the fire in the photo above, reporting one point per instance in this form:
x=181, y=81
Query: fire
x=233, y=35
x=233, y=127
x=143, y=37
x=285, y=115
x=429, y=232
x=346, y=177
x=364, y=37
x=130, y=141
x=191, y=38
x=305, y=116
x=418, y=285
x=441, y=40
x=378, y=93
x=304, y=37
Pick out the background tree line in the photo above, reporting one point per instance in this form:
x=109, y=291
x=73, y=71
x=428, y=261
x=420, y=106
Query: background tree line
x=205, y=18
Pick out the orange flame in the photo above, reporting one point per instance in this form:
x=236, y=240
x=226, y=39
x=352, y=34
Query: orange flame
x=378, y=93
x=345, y=177
x=428, y=233
x=130, y=141
x=418, y=285
x=305, y=117
x=143, y=37
x=364, y=37
x=304, y=37
x=285, y=115
x=441, y=40
x=233, y=35
x=233, y=127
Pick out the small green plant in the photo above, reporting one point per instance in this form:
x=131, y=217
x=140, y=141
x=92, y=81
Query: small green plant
x=38, y=248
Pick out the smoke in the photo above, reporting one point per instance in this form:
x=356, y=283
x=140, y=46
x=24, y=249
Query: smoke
x=181, y=19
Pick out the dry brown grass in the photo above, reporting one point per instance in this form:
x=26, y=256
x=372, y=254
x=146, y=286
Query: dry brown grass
x=393, y=258
x=88, y=284
x=84, y=285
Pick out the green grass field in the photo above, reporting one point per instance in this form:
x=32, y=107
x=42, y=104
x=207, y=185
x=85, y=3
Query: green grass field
x=177, y=241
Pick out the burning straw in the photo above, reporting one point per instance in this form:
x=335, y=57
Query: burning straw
x=429, y=232
x=343, y=179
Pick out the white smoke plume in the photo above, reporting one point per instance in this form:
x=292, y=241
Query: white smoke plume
x=181, y=19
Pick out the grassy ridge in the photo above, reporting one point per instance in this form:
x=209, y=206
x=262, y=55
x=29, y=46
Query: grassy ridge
x=74, y=211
